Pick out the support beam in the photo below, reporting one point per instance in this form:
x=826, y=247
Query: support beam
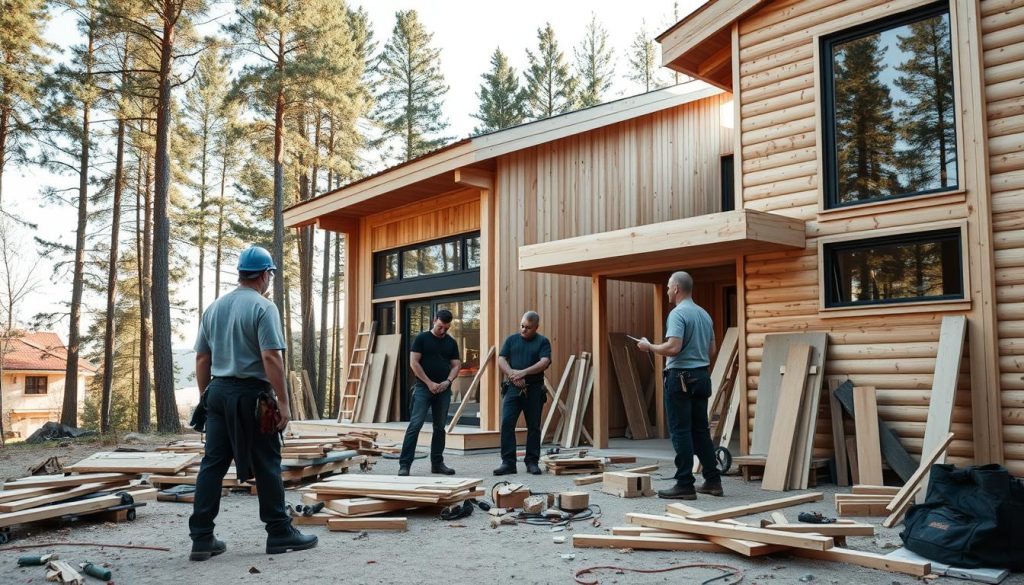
x=602, y=373
x=489, y=334
x=469, y=177
x=658, y=302
x=336, y=223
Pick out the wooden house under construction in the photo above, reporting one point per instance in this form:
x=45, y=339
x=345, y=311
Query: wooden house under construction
x=854, y=168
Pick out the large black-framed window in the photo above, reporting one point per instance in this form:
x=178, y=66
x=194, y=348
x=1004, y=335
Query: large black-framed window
x=922, y=266
x=888, y=109
x=447, y=263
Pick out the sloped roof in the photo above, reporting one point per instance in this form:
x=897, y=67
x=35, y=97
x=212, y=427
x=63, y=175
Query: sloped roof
x=40, y=350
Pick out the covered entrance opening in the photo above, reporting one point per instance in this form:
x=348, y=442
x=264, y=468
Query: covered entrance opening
x=711, y=247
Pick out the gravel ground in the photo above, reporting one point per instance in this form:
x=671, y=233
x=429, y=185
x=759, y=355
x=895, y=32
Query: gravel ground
x=432, y=551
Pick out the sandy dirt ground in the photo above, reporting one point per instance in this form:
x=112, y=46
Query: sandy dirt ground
x=433, y=551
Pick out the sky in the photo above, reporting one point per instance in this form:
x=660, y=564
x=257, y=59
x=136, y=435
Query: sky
x=465, y=31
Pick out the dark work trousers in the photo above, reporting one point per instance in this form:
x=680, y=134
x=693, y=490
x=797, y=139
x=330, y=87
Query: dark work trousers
x=687, y=414
x=228, y=398
x=438, y=404
x=530, y=402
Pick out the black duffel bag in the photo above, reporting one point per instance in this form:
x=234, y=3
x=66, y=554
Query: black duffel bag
x=973, y=517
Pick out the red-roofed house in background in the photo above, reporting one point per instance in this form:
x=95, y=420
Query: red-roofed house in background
x=33, y=381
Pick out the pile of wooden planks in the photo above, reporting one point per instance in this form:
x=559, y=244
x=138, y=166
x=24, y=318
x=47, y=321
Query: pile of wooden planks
x=358, y=496
x=684, y=528
x=577, y=385
x=578, y=463
x=42, y=497
x=637, y=394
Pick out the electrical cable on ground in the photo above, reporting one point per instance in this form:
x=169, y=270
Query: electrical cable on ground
x=100, y=544
x=728, y=571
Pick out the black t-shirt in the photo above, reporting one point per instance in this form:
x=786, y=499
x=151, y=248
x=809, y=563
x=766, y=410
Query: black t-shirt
x=521, y=353
x=436, y=354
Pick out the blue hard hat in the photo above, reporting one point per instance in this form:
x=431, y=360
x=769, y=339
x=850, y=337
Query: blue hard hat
x=255, y=259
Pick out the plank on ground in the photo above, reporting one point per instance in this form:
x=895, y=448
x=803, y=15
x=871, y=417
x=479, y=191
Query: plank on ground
x=50, y=498
x=79, y=507
x=748, y=509
x=47, y=481
x=599, y=477
x=866, y=559
x=731, y=531
x=645, y=543
x=134, y=462
x=341, y=524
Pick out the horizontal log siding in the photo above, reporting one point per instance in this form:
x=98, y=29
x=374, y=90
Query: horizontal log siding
x=653, y=168
x=1003, y=43
x=893, y=352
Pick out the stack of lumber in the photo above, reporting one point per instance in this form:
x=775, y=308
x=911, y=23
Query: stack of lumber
x=358, y=496
x=577, y=385
x=599, y=477
x=637, y=395
x=572, y=464
x=788, y=394
x=865, y=500
x=684, y=528
x=41, y=497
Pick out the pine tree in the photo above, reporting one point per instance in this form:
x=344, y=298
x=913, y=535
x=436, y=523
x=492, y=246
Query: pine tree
x=927, y=124
x=412, y=88
x=22, y=59
x=502, y=101
x=550, y=87
x=643, y=61
x=865, y=129
x=594, y=64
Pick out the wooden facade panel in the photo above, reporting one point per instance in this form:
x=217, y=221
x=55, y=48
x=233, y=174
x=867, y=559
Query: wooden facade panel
x=649, y=169
x=1004, y=78
x=421, y=222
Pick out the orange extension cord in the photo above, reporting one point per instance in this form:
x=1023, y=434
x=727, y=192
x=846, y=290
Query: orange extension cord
x=730, y=571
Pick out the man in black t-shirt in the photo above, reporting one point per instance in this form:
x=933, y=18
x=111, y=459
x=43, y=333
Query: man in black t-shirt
x=523, y=358
x=435, y=361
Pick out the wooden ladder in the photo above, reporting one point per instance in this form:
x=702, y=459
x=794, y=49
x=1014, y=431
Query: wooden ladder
x=355, y=377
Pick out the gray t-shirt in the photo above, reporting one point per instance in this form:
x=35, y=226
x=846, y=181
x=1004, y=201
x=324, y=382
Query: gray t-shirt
x=235, y=329
x=692, y=324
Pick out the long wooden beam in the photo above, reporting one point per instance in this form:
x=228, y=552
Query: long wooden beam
x=748, y=509
x=762, y=535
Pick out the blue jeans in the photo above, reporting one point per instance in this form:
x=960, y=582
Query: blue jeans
x=227, y=400
x=421, y=400
x=530, y=402
x=687, y=414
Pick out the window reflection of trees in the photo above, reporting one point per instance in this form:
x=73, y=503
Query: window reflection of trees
x=892, y=271
x=894, y=112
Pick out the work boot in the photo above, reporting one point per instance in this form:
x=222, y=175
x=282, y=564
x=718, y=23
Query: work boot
x=442, y=469
x=678, y=492
x=204, y=548
x=290, y=541
x=403, y=470
x=711, y=488
x=506, y=469
x=533, y=469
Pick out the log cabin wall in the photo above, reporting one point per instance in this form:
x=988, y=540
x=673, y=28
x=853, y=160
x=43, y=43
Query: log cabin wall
x=776, y=78
x=653, y=168
x=1002, y=25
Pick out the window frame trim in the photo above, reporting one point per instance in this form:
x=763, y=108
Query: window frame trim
x=459, y=237
x=835, y=29
x=909, y=306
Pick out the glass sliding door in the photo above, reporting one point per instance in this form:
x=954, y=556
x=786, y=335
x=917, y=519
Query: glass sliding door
x=418, y=317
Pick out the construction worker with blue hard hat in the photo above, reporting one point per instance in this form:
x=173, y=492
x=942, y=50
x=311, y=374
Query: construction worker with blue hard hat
x=240, y=369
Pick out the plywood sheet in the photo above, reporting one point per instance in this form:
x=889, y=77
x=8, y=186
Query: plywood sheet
x=371, y=391
x=391, y=346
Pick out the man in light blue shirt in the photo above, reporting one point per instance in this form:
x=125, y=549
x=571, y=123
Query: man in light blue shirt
x=690, y=340
x=239, y=359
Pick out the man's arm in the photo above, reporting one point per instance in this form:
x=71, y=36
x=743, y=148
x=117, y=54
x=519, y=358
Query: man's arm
x=417, y=368
x=203, y=361
x=456, y=365
x=671, y=346
x=273, y=365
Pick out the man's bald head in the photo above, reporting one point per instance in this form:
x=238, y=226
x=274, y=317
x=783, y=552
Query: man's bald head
x=683, y=280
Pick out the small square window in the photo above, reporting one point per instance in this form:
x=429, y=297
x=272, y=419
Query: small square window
x=35, y=385
x=889, y=113
x=925, y=266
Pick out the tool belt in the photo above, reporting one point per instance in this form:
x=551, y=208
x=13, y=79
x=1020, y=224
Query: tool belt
x=268, y=415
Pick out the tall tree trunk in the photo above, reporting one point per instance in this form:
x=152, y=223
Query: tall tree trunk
x=320, y=393
x=306, y=273
x=145, y=310
x=115, y=233
x=220, y=222
x=5, y=120
x=69, y=411
x=201, y=236
x=288, y=327
x=163, y=360
x=279, y=107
